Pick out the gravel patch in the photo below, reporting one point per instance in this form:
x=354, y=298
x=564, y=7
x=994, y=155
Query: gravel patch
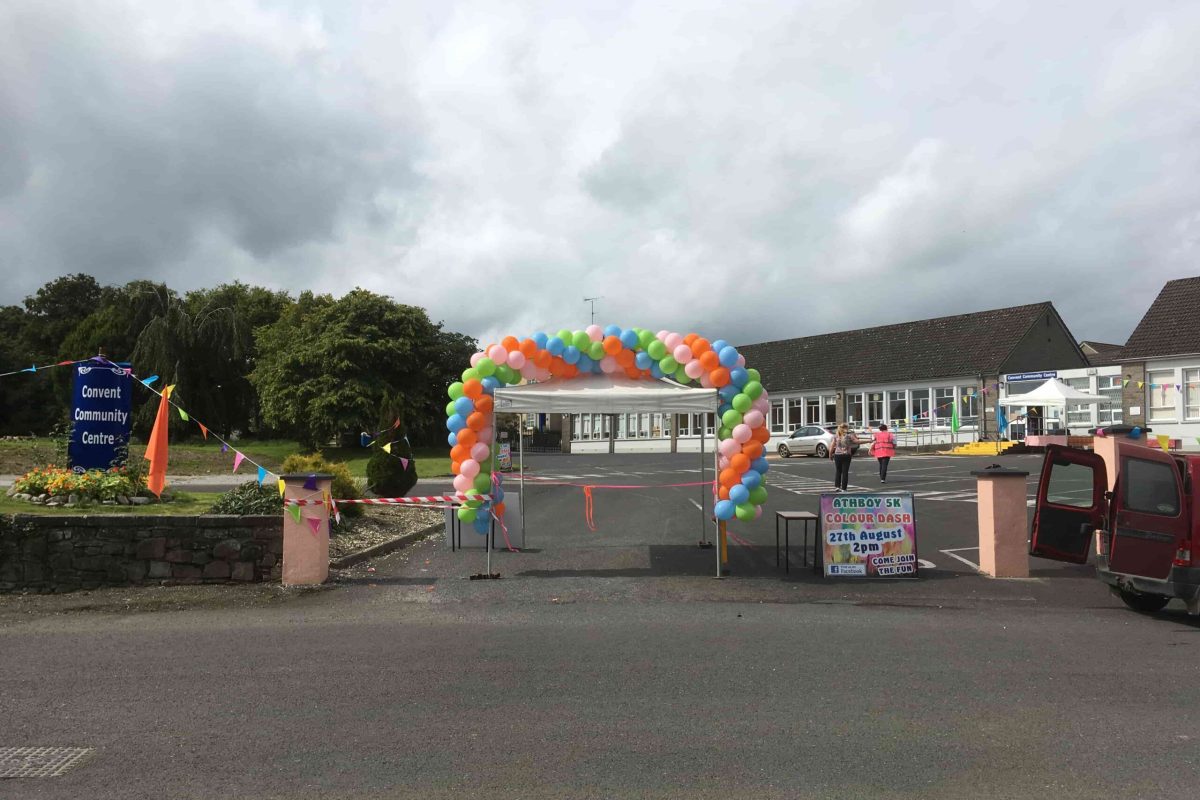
x=377, y=525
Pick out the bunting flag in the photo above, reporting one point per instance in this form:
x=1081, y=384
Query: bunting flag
x=1124, y=383
x=404, y=462
x=282, y=486
x=387, y=448
x=224, y=447
x=238, y=458
x=315, y=524
x=1164, y=441
x=310, y=483
x=332, y=504
x=183, y=415
x=365, y=439
x=262, y=475
x=1141, y=384
x=396, y=424
x=150, y=380
x=203, y=429
x=954, y=417
x=295, y=512
x=156, y=448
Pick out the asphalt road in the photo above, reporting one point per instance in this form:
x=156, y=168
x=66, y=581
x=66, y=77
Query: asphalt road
x=610, y=663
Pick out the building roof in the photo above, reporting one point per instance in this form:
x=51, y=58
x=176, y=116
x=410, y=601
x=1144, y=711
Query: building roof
x=1171, y=325
x=1100, y=353
x=944, y=347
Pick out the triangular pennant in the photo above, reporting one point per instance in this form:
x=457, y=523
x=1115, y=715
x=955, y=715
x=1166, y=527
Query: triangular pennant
x=314, y=523
x=404, y=462
x=31, y=369
x=1164, y=441
x=387, y=448
x=364, y=439
x=64, y=363
x=150, y=380
x=294, y=510
x=183, y=415
x=282, y=486
x=238, y=458
x=396, y=424
x=310, y=482
x=1141, y=384
x=262, y=475
x=203, y=430
x=224, y=447
x=168, y=389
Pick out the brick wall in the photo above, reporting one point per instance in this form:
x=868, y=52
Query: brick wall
x=1132, y=395
x=65, y=553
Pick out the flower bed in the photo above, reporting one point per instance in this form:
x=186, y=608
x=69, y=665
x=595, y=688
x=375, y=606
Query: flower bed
x=58, y=486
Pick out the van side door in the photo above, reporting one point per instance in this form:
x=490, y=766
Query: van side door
x=1070, y=504
x=1150, y=520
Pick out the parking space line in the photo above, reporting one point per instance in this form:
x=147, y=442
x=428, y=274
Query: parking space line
x=954, y=555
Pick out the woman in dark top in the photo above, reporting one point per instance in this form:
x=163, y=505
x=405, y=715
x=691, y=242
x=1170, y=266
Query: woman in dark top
x=844, y=443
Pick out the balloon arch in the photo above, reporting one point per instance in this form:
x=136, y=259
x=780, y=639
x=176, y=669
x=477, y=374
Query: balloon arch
x=638, y=353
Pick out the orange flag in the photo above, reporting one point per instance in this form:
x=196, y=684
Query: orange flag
x=156, y=448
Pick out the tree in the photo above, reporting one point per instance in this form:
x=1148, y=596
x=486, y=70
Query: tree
x=56, y=308
x=327, y=367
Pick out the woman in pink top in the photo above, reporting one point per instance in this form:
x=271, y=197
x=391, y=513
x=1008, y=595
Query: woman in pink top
x=883, y=448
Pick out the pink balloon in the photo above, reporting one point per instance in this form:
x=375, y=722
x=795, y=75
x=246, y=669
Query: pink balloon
x=741, y=360
x=672, y=341
x=498, y=354
x=662, y=335
x=485, y=436
x=729, y=448
x=682, y=353
x=706, y=380
x=762, y=405
x=753, y=418
x=723, y=463
x=608, y=364
x=757, y=512
x=594, y=332
x=480, y=452
x=516, y=359
x=470, y=468
x=462, y=483
x=765, y=397
x=542, y=374
x=693, y=369
x=475, y=358
x=741, y=434
x=528, y=369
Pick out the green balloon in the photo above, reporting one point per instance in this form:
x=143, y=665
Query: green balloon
x=474, y=503
x=744, y=512
x=645, y=338
x=483, y=482
x=450, y=409
x=455, y=391
x=668, y=365
x=731, y=418
x=758, y=495
x=657, y=350
x=471, y=374
x=742, y=402
x=581, y=340
x=754, y=375
x=595, y=351
x=504, y=373
x=682, y=376
x=466, y=514
x=485, y=367
x=753, y=390
x=724, y=432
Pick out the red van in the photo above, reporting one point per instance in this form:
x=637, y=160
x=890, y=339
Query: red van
x=1145, y=530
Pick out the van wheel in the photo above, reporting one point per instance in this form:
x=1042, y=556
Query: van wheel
x=1143, y=603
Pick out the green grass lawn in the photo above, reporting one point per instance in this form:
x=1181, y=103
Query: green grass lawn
x=184, y=503
x=205, y=458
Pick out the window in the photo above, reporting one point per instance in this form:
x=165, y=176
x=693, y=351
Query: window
x=1163, y=396
x=898, y=408
x=829, y=403
x=1079, y=415
x=710, y=420
x=778, y=423
x=854, y=409
x=643, y=429
x=968, y=404
x=1191, y=393
x=1150, y=487
x=795, y=412
x=943, y=409
x=875, y=408
x=920, y=408
x=812, y=410
x=1070, y=485
x=1110, y=410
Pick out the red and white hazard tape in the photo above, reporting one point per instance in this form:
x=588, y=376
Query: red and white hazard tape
x=395, y=501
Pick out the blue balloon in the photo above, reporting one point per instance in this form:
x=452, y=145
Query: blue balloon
x=760, y=465
x=497, y=493
x=455, y=423
x=555, y=346
x=464, y=406
x=482, y=524
x=612, y=330
x=596, y=368
x=364, y=439
x=728, y=392
x=490, y=384
x=728, y=357
x=452, y=439
x=739, y=494
x=721, y=409
x=738, y=377
x=540, y=340
x=655, y=370
x=724, y=509
x=750, y=479
x=629, y=339
x=585, y=362
x=719, y=345
x=571, y=355
x=643, y=360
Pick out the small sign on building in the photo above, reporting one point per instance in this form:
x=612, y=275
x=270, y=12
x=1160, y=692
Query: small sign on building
x=869, y=535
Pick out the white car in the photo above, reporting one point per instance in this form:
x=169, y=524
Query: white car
x=807, y=440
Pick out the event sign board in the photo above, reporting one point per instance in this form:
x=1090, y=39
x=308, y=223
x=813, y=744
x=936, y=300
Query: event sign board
x=869, y=535
x=100, y=416
x=504, y=456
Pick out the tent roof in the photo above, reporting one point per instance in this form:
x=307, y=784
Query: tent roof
x=608, y=393
x=1053, y=392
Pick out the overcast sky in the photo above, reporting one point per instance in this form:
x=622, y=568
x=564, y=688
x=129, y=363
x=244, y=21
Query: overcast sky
x=751, y=170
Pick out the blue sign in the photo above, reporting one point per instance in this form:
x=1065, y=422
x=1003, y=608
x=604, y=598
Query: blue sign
x=100, y=417
x=1032, y=376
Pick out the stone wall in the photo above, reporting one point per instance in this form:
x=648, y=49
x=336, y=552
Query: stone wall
x=64, y=553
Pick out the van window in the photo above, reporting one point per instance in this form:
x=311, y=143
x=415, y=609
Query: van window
x=1070, y=485
x=1150, y=487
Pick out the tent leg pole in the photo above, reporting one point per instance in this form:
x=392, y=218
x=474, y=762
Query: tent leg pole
x=521, y=456
x=703, y=524
x=492, y=491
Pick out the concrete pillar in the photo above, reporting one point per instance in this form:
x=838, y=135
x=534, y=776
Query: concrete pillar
x=568, y=428
x=1003, y=523
x=612, y=433
x=305, y=550
x=674, y=430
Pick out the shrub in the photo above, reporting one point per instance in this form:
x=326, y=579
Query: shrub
x=345, y=487
x=94, y=484
x=387, y=476
x=249, y=499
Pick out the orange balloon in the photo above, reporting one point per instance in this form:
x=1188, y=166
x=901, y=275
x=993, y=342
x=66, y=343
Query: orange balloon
x=499, y=509
x=626, y=358
x=750, y=449
x=466, y=438
x=458, y=452
x=708, y=360
x=473, y=388
x=719, y=377
x=556, y=366
x=612, y=345
x=729, y=476
x=691, y=337
x=528, y=348
x=723, y=493
x=739, y=463
x=485, y=404
x=455, y=467
x=760, y=435
x=476, y=421
x=543, y=359
x=510, y=343
x=634, y=373
x=700, y=347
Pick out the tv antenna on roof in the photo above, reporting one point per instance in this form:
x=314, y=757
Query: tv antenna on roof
x=592, y=300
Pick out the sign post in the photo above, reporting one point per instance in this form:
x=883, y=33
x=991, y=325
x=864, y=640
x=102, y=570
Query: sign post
x=869, y=535
x=100, y=417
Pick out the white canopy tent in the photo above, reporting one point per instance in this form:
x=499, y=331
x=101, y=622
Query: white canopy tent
x=1053, y=393
x=606, y=393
